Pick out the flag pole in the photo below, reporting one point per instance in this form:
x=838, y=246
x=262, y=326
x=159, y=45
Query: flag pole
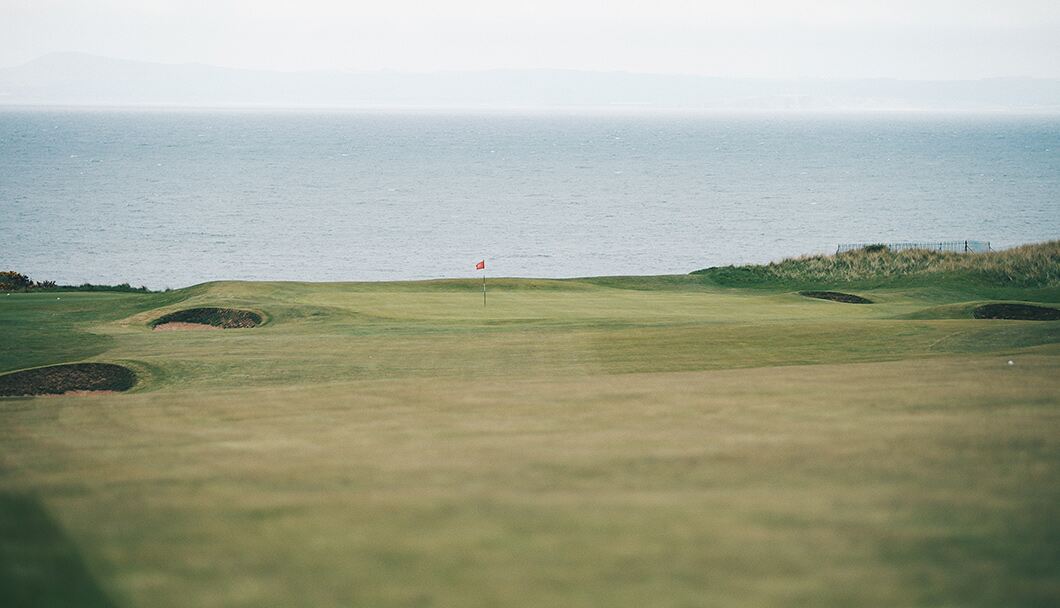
x=482, y=266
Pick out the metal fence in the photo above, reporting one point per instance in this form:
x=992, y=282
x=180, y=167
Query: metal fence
x=955, y=246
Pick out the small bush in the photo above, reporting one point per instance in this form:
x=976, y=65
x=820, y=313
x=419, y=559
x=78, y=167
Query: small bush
x=14, y=281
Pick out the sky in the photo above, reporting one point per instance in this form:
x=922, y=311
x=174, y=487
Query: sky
x=908, y=39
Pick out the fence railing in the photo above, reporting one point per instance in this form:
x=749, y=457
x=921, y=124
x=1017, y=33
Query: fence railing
x=956, y=246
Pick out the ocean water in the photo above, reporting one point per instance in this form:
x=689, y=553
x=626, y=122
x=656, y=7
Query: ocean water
x=173, y=198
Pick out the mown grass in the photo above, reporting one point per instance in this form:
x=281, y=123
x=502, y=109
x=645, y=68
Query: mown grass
x=617, y=441
x=39, y=565
x=43, y=328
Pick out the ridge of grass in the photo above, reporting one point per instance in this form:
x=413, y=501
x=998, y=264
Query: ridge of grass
x=1035, y=266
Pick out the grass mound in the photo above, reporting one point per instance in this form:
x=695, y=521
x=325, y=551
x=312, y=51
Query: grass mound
x=836, y=296
x=1035, y=265
x=59, y=379
x=1022, y=312
x=227, y=318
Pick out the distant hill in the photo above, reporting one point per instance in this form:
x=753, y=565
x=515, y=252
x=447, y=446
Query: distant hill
x=79, y=79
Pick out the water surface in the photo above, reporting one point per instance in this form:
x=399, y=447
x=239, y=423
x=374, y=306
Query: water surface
x=172, y=198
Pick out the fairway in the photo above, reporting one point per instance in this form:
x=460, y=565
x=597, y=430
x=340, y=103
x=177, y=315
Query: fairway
x=628, y=441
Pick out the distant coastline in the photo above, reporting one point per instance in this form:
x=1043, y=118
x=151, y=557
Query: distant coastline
x=76, y=79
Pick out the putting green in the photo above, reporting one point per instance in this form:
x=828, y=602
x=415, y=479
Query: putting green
x=631, y=441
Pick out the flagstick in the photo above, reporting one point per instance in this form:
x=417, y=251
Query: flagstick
x=483, y=288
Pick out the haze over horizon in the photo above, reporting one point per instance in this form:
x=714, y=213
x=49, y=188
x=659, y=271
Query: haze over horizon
x=78, y=79
x=826, y=39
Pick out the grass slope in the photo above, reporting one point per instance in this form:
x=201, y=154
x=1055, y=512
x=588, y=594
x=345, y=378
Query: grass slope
x=619, y=441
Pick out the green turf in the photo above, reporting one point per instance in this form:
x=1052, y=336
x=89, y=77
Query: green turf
x=39, y=566
x=620, y=441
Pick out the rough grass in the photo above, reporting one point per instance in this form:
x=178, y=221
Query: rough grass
x=1028, y=266
x=59, y=379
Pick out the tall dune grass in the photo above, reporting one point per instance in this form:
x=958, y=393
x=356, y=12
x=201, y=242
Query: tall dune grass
x=1036, y=265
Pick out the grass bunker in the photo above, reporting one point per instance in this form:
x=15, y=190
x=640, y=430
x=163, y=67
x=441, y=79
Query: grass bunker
x=1020, y=312
x=59, y=379
x=836, y=296
x=224, y=318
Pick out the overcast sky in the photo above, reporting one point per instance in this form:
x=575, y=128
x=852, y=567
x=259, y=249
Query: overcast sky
x=916, y=39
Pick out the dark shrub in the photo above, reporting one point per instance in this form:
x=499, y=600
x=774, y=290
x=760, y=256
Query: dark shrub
x=11, y=280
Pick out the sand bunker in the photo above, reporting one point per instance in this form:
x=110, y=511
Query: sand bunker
x=178, y=326
x=835, y=296
x=68, y=378
x=1022, y=312
x=207, y=318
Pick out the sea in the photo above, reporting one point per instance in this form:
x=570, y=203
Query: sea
x=170, y=198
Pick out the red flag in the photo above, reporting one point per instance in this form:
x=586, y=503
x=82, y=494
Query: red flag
x=481, y=265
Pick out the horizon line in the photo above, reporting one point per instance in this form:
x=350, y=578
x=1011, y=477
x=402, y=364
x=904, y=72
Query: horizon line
x=625, y=72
